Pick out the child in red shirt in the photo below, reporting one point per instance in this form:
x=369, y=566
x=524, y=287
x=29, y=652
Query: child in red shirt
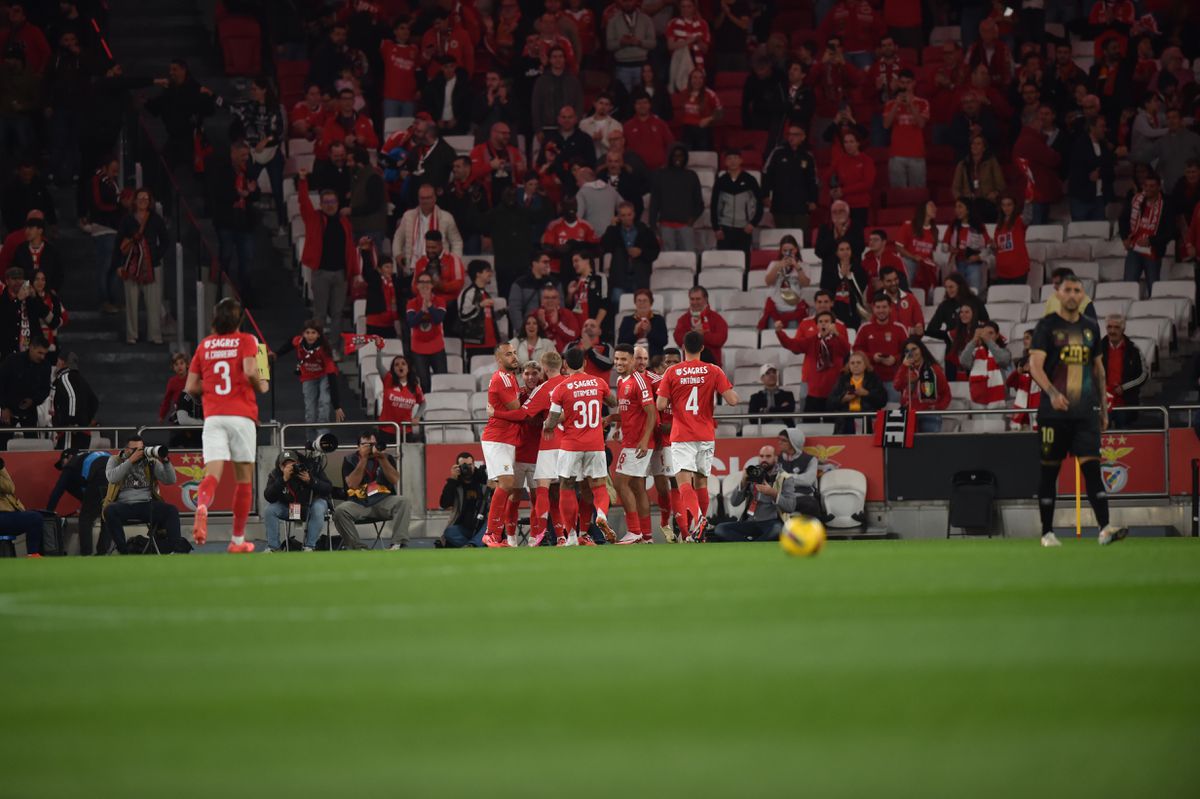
x=317, y=372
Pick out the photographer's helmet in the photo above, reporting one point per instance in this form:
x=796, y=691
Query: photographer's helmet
x=284, y=457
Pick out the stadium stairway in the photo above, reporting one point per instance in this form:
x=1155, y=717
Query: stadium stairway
x=144, y=38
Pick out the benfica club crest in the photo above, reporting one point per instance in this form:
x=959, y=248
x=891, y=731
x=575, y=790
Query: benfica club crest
x=824, y=455
x=1112, y=469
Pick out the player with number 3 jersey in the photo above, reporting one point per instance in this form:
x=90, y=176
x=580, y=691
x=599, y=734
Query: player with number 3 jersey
x=690, y=390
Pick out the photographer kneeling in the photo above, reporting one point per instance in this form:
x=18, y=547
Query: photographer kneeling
x=464, y=493
x=772, y=494
x=297, y=491
x=133, y=479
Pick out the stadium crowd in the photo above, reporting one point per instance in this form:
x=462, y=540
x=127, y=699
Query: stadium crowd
x=854, y=203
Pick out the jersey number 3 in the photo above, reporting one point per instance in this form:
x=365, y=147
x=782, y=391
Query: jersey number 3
x=222, y=370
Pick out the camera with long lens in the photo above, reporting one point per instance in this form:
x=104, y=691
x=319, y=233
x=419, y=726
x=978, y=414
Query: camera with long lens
x=326, y=443
x=159, y=453
x=756, y=474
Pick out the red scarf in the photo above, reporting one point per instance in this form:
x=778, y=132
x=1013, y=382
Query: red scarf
x=1027, y=171
x=1144, y=217
x=986, y=380
x=352, y=342
x=1027, y=398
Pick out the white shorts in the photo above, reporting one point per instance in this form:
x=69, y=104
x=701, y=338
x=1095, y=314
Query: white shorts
x=628, y=463
x=693, y=456
x=499, y=458
x=229, y=438
x=524, y=475
x=582, y=465
x=660, y=462
x=547, y=465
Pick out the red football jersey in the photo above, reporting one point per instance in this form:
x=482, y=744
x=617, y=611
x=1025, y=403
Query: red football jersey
x=538, y=405
x=227, y=390
x=664, y=417
x=691, y=388
x=502, y=390
x=633, y=395
x=581, y=399
x=560, y=232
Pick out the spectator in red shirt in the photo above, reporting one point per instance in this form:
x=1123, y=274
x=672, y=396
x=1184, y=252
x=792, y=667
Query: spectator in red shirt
x=1012, y=258
x=567, y=235
x=689, y=32
x=647, y=135
x=427, y=345
x=704, y=320
x=852, y=178
x=445, y=38
x=1040, y=145
x=906, y=116
x=880, y=255
x=825, y=349
x=991, y=52
x=882, y=84
x=496, y=163
x=697, y=109
x=309, y=116
x=24, y=36
x=400, y=60
x=903, y=20
x=402, y=403
x=906, y=308
x=559, y=323
x=179, y=365
x=917, y=240
x=882, y=340
x=922, y=385
x=445, y=269
x=944, y=83
x=858, y=24
x=835, y=81
x=347, y=126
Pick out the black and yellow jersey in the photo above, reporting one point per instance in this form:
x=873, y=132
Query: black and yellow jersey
x=1071, y=348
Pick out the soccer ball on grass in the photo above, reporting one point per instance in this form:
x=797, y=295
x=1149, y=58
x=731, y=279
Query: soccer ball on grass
x=802, y=536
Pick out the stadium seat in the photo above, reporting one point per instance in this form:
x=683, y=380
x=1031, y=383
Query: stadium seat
x=1007, y=311
x=452, y=383
x=1119, y=290
x=1084, y=269
x=1044, y=233
x=745, y=375
x=744, y=319
x=461, y=144
x=1148, y=348
x=711, y=258
x=844, y=494
x=1174, y=288
x=675, y=259
x=671, y=279
x=1111, y=270
x=1022, y=294
x=1089, y=230
x=742, y=339
x=945, y=33
x=703, y=159
x=240, y=38
x=30, y=445
x=1151, y=322
x=1112, y=305
x=394, y=125
x=722, y=278
x=769, y=238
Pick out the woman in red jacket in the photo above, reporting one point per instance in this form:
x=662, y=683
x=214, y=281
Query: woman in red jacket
x=1012, y=258
x=922, y=385
x=853, y=178
x=401, y=403
x=425, y=314
x=917, y=240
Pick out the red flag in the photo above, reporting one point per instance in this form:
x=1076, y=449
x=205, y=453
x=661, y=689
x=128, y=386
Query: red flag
x=354, y=341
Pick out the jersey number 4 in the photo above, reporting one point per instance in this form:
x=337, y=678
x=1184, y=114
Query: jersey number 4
x=587, y=414
x=693, y=402
x=222, y=370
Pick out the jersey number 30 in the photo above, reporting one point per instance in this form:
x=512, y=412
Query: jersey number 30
x=587, y=414
x=222, y=370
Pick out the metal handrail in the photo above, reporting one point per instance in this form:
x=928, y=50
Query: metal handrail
x=359, y=426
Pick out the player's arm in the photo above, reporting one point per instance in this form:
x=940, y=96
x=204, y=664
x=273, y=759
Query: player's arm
x=730, y=396
x=1037, y=370
x=194, y=385
x=651, y=423
x=1098, y=375
x=553, y=418
x=256, y=380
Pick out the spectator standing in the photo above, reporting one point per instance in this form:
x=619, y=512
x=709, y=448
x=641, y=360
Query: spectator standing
x=494, y=106
x=967, y=241
x=1040, y=147
x=628, y=182
x=906, y=308
x=445, y=270
x=630, y=37
x=183, y=105
x=566, y=147
x=104, y=214
x=383, y=299
x=647, y=134
x=560, y=325
x=175, y=384
x=1175, y=149
x=1092, y=165
x=600, y=124
x=509, y=225
x=906, y=116
x=697, y=109
x=787, y=278
x=36, y=254
x=598, y=356
x=840, y=228
x=763, y=100
x=496, y=164
x=585, y=295
x=922, y=385
x=400, y=59
x=448, y=98
x=555, y=88
x=74, y=402
x=24, y=385
x=882, y=339
x=676, y=202
x=1146, y=231
x=428, y=162
x=825, y=349
x=771, y=398
x=1012, y=257
x=368, y=201
x=258, y=121
x=371, y=481
x=979, y=179
x=644, y=327
x=295, y=493
x=790, y=181
x=143, y=237
x=701, y=318
x=233, y=194
x=330, y=253
x=426, y=312
x=688, y=42
x=989, y=50
x=318, y=374
x=852, y=178
x=858, y=390
x=847, y=284
x=736, y=206
x=308, y=117
x=916, y=243
x=403, y=403
x=525, y=296
x=597, y=199
x=27, y=191
x=476, y=312
x=19, y=312
x=1148, y=127
x=348, y=126
x=634, y=248
x=567, y=235
x=467, y=201
x=880, y=255
x=334, y=173
x=409, y=240
x=1124, y=370
x=446, y=36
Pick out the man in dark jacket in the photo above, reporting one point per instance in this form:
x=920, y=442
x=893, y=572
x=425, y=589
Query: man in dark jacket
x=24, y=385
x=75, y=404
x=429, y=161
x=525, y=296
x=18, y=313
x=232, y=194
x=1146, y=230
x=433, y=97
x=771, y=397
x=1124, y=371
x=790, y=181
x=508, y=224
x=736, y=205
x=299, y=491
x=676, y=202
x=26, y=191
x=334, y=173
x=763, y=100
x=1090, y=180
x=182, y=106
x=467, y=201
x=82, y=475
x=634, y=248
x=464, y=495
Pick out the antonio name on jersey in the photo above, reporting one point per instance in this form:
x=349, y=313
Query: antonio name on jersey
x=691, y=375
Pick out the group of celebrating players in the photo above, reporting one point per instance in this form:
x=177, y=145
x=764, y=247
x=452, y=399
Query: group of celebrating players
x=551, y=440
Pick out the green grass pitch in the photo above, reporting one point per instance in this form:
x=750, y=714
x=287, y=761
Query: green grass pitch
x=926, y=669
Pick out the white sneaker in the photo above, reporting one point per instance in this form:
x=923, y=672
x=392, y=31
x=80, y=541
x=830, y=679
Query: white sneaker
x=394, y=547
x=631, y=538
x=1051, y=540
x=309, y=549
x=668, y=534
x=1112, y=534
x=572, y=539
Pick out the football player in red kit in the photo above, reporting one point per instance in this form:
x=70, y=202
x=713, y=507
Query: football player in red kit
x=666, y=487
x=578, y=403
x=225, y=371
x=690, y=389
x=500, y=439
x=639, y=421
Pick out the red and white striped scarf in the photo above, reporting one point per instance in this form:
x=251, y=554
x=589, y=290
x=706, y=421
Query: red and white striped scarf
x=1023, y=165
x=1028, y=395
x=1144, y=217
x=986, y=380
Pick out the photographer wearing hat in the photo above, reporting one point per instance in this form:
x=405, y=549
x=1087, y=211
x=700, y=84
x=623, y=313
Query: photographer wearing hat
x=134, y=475
x=465, y=493
x=298, y=491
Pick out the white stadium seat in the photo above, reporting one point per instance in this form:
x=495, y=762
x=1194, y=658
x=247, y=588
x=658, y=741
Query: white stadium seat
x=675, y=259
x=1044, y=233
x=711, y=258
x=715, y=278
x=769, y=238
x=459, y=383
x=1007, y=311
x=1121, y=290
x=703, y=159
x=1022, y=294
x=1089, y=230
x=1114, y=305
x=1174, y=288
x=844, y=494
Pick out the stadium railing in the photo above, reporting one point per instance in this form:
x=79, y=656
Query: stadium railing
x=345, y=445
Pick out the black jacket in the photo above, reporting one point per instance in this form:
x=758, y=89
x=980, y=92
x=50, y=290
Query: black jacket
x=51, y=264
x=296, y=490
x=782, y=401
x=435, y=170
x=876, y=395
x=465, y=498
x=10, y=321
x=790, y=177
x=22, y=379
x=328, y=175
x=1083, y=161
x=945, y=316
x=182, y=108
x=763, y=102
x=21, y=198
x=675, y=194
x=433, y=97
x=1133, y=371
x=222, y=195
x=625, y=271
x=827, y=243
x=75, y=404
x=1166, y=225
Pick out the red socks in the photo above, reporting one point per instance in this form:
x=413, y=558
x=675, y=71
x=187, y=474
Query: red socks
x=586, y=509
x=513, y=514
x=679, y=509
x=207, y=491
x=691, y=504
x=702, y=500
x=569, y=508
x=645, y=525
x=633, y=523
x=556, y=516
x=664, y=509
x=541, y=507
x=600, y=498
x=243, y=498
x=497, y=511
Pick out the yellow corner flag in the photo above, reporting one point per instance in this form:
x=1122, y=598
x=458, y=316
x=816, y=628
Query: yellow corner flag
x=264, y=364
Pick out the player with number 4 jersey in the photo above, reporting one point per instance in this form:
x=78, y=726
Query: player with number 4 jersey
x=690, y=390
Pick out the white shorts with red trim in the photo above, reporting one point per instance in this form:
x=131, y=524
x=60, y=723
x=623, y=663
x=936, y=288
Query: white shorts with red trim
x=582, y=465
x=660, y=462
x=229, y=438
x=547, y=465
x=693, y=456
x=628, y=463
x=500, y=459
